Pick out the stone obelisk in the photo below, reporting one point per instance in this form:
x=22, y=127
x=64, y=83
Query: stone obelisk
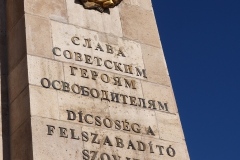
x=87, y=80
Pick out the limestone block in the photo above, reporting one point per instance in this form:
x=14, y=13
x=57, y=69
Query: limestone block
x=161, y=93
x=139, y=25
x=54, y=9
x=53, y=146
x=16, y=44
x=144, y=118
x=15, y=11
x=145, y=4
x=111, y=39
x=91, y=19
x=38, y=32
x=155, y=64
x=79, y=103
x=131, y=49
x=18, y=80
x=44, y=102
x=170, y=127
x=41, y=46
x=39, y=68
x=19, y=110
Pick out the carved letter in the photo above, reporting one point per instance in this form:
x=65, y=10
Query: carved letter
x=54, y=51
x=71, y=115
x=87, y=43
x=109, y=49
x=150, y=131
x=72, y=70
x=99, y=47
x=63, y=132
x=163, y=107
x=130, y=84
x=130, y=144
x=74, y=40
x=140, y=73
x=73, y=135
x=67, y=54
x=107, y=140
x=95, y=138
x=50, y=129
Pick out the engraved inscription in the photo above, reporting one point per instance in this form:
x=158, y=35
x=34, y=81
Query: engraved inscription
x=111, y=142
x=96, y=130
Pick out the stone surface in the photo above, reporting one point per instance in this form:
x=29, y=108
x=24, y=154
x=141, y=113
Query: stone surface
x=39, y=68
x=38, y=34
x=145, y=4
x=180, y=151
x=139, y=25
x=170, y=128
x=44, y=103
x=53, y=146
x=160, y=93
x=72, y=91
x=155, y=64
x=54, y=9
x=131, y=49
x=93, y=20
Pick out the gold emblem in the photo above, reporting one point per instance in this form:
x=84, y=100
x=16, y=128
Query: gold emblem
x=100, y=5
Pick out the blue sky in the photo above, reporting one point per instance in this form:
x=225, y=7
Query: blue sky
x=201, y=42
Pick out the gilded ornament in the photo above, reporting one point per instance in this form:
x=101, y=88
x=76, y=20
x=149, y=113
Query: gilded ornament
x=100, y=5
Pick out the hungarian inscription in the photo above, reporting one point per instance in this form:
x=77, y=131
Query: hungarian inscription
x=109, y=141
x=106, y=122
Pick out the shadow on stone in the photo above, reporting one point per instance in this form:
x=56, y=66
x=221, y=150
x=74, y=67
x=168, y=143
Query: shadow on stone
x=4, y=84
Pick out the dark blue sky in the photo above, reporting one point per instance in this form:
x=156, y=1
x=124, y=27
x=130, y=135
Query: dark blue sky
x=201, y=42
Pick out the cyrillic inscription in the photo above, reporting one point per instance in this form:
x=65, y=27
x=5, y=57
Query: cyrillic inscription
x=104, y=95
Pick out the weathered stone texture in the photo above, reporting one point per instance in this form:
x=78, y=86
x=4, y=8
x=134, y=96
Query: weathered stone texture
x=90, y=19
x=155, y=64
x=38, y=35
x=145, y=4
x=54, y=9
x=53, y=147
x=139, y=25
x=131, y=27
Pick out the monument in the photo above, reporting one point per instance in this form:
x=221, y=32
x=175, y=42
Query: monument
x=86, y=80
